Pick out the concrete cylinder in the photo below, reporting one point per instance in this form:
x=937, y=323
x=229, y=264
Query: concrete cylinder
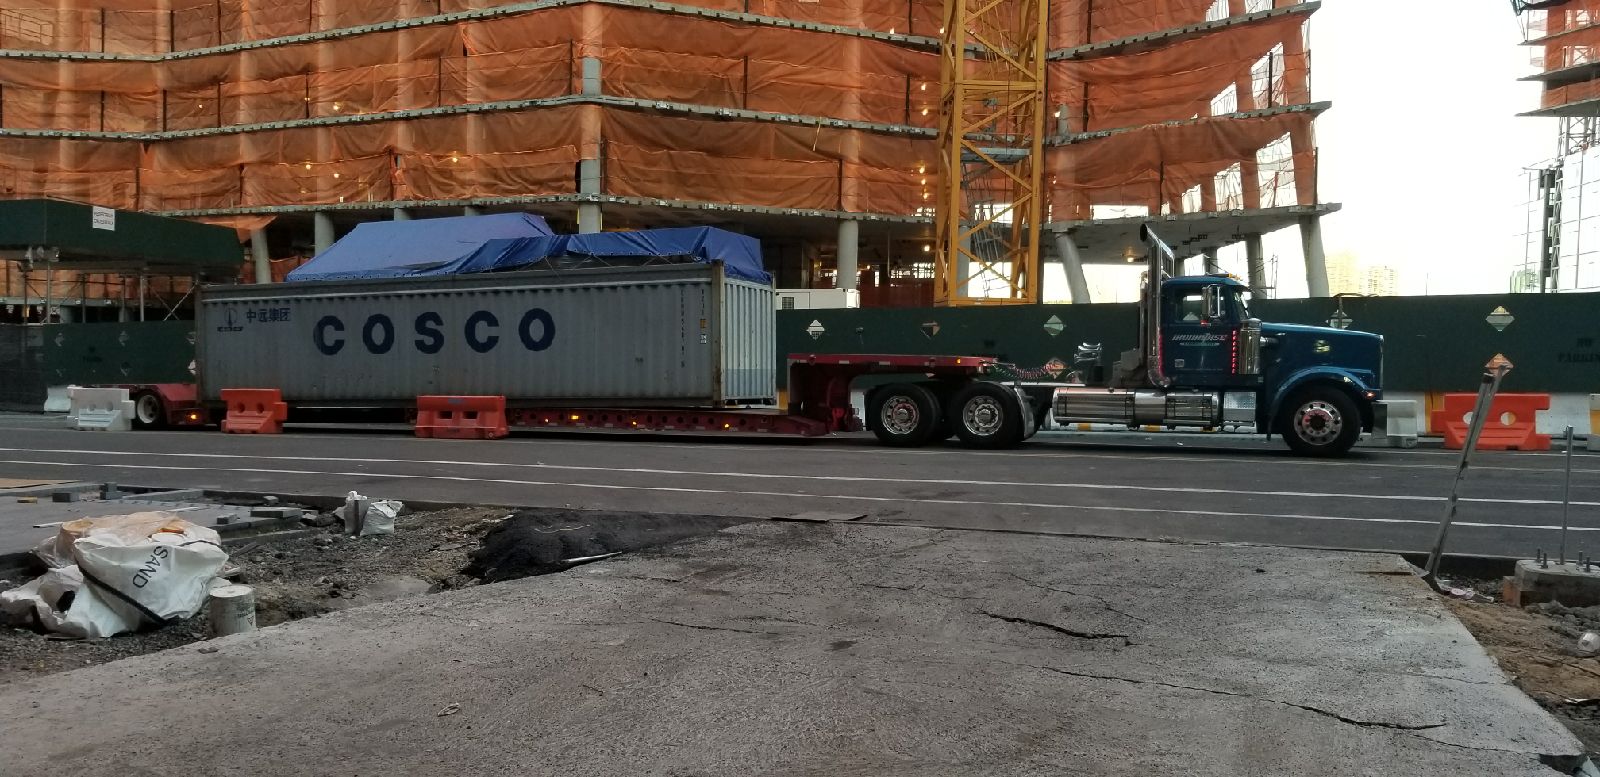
x=231, y=610
x=261, y=257
x=322, y=230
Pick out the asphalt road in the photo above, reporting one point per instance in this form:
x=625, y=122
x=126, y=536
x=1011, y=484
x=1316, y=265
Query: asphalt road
x=1190, y=487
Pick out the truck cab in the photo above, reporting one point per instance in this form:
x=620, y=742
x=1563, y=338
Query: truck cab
x=1204, y=361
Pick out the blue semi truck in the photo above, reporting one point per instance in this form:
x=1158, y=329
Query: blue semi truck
x=1202, y=362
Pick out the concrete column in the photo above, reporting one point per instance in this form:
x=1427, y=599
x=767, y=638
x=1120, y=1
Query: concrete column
x=401, y=214
x=1257, y=264
x=1316, y=262
x=262, y=258
x=849, y=273
x=321, y=230
x=1077, y=284
x=590, y=218
x=592, y=85
x=1212, y=265
x=471, y=210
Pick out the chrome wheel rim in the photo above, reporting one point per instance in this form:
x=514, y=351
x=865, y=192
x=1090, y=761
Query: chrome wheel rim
x=1318, y=422
x=900, y=415
x=982, y=416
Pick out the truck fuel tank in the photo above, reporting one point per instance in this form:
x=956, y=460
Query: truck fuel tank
x=1138, y=407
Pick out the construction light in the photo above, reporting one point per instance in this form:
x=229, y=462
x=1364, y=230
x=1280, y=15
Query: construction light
x=336, y=176
x=924, y=111
x=924, y=87
x=308, y=165
x=927, y=248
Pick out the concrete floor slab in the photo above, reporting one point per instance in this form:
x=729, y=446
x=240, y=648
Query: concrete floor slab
x=790, y=648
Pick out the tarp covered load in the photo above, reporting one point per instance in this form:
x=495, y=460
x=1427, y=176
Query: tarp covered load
x=739, y=254
x=389, y=249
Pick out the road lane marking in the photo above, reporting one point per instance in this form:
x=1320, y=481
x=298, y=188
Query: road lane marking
x=764, y=476
x=802, y=495
x=826, y=478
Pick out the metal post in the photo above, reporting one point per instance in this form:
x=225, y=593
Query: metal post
x=144, y=286
x=1493, y=373
x=1566, y=503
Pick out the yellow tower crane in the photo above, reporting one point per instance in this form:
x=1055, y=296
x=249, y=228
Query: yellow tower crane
x=991, y=139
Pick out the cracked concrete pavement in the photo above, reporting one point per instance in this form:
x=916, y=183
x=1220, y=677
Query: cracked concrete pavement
x=779, y=648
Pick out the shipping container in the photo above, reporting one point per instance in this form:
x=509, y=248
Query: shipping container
x=683, y=335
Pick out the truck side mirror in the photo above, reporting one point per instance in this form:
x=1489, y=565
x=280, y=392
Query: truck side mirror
x=1213, y=302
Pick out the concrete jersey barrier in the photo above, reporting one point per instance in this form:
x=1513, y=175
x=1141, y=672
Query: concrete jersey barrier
x=100, y=409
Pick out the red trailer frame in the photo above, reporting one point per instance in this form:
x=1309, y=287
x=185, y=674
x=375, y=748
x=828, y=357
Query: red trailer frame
x=818, y=399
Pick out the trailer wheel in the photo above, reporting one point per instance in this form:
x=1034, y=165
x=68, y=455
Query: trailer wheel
x=904, y=415
x=1320, y=421
x=988, y=415
x=149, y=412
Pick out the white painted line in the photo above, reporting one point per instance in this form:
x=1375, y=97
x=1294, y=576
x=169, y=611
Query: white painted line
x=800, y=495
x=825, y=478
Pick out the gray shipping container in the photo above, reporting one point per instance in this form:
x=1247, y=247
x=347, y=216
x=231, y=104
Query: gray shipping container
x=671, y=336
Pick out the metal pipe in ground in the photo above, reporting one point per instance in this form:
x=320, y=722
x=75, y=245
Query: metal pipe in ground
x=1493, y=372
x=1566, y=503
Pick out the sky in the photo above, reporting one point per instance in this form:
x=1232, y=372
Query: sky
x=1422, y=146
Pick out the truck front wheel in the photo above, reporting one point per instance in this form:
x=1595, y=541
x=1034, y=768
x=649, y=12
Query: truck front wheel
x=904, y=415
x=988, y=415
x=1320, y=421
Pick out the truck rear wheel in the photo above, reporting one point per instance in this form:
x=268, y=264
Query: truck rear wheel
x=904, y=415
x=988, y=415
x=149, y=412
x=1320, y=421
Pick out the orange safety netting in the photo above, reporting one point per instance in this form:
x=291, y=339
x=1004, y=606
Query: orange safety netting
x=1183, y=168
x=138, y=27
x=1182, y=79
x=61, y=285
x=1578, y=48
x=643, y=54
x=1571, y=15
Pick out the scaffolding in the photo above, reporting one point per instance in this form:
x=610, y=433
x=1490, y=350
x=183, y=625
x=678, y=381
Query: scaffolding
x=1562, y=235
x=245, y=112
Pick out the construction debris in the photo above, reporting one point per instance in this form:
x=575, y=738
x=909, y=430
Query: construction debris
x=113, y=574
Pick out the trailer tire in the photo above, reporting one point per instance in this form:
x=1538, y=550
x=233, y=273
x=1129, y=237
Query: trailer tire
x=1320, y=421
x=903, y=415
x=988, y=415
x=149, y=412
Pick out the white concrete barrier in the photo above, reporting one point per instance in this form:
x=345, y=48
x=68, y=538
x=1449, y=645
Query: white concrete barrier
x=100, y=409
x=1396, y=423
x=57, y=400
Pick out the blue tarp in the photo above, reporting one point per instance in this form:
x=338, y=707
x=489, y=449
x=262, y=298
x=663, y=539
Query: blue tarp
x=388, y=249
x=739, y=254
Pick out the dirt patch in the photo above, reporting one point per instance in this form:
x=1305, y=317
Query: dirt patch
x=307, y=576
x=1536, y=647
x=539, y=542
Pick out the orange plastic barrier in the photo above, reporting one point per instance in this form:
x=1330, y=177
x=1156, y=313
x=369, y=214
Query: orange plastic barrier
x=462, y=418
x=254, y=411
x=1510, y=426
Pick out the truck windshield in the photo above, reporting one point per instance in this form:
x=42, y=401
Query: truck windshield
x=1241, y=298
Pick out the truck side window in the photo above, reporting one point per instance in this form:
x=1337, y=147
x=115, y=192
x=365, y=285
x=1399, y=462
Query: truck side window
x=1192, y=307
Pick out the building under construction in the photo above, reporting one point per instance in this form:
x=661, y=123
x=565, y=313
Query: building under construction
x=810, y=124
x=1564, y=38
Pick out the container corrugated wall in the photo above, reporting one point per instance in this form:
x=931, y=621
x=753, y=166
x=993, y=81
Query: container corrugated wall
x=636, y=336
x=750, y=345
